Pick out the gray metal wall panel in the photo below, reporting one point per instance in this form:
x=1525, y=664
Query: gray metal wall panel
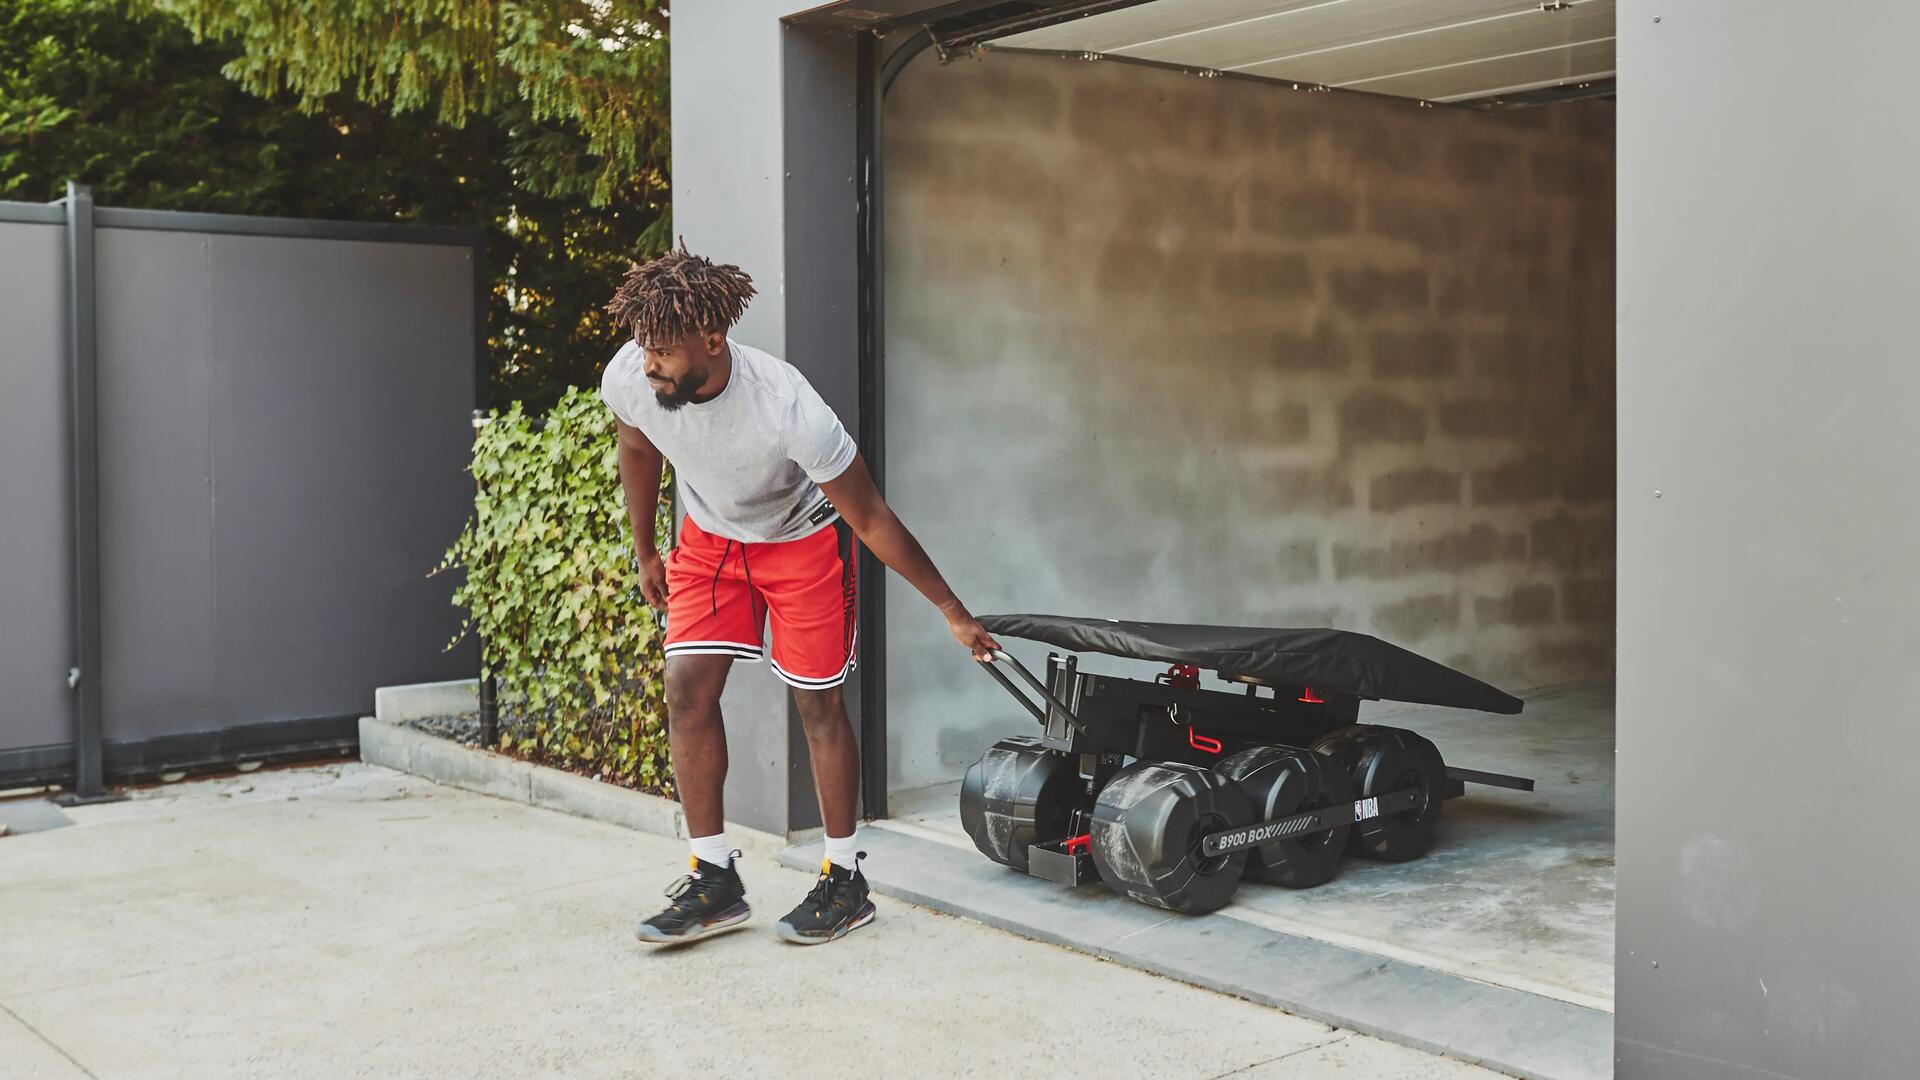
x=36, y=615
x=822, y=271
x=728, y=202
x=1769, y=664
x=342, y=399
x=822, y=254
x=155, y=324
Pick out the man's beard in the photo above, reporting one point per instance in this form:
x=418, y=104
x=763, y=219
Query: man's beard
x=685, y=391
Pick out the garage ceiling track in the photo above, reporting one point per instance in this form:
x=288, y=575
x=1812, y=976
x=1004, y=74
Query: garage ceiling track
x=1486, y=53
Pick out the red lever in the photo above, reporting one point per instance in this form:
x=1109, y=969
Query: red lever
x=1075, y=843
x=1203, y=742
x=1182, y=675
x=1310, y=699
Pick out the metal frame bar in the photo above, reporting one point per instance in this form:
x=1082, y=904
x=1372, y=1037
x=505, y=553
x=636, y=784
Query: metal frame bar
x=305, y=228
x=53, y=213
x=1060, y=709
x=1001, y=678
x=1247, y=837
x=898, y=59
x=1490, y=779
x=869, y=571
x=1156, y=720
x=83, y=402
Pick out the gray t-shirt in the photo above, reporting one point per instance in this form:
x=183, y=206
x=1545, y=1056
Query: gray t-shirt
x=748, y=463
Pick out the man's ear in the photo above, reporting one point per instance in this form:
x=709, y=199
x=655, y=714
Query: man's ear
x=715, y=341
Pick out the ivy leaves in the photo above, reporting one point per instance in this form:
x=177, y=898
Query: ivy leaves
x=552, y=590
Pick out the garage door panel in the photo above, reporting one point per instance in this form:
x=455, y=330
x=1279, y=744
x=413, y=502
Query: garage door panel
x=1328, y=26
x=1132, y=26
x=1510, y=75
x=1442, y=50
x=1366, y=64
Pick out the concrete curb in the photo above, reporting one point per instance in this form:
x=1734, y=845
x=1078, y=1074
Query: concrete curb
x=383, y=742
x=395, y=704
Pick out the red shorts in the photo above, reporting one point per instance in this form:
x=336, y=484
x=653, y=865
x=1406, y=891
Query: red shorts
x=721, y=592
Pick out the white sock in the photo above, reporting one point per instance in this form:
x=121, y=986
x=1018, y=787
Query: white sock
x=711, y=849
x=840, y=851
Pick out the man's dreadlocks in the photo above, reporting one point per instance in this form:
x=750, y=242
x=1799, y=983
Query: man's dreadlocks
x=679, y=294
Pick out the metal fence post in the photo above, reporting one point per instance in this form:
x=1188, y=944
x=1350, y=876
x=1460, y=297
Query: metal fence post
x=83, y=402
x=489, y=710
x=489, y=686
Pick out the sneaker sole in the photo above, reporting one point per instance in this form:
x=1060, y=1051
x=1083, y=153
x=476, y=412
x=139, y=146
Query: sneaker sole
x=648, y=935
x=788, y=933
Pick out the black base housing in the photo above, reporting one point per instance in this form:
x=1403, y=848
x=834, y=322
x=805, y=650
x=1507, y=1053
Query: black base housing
x=1169, y=792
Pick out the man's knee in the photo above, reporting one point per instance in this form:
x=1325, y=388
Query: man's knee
x=693, y=689
x=820, y=710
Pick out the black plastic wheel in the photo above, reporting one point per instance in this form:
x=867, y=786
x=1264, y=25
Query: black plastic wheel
x=1381, y=760
x=1147, y=826
x=1281, y=781
x=1017, y=794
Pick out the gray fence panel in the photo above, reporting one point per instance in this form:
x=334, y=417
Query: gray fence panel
x=36, y=617
x=155, y=319
x=284, y=425
x=344, y=384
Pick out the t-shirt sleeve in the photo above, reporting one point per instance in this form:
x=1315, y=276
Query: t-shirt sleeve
x=613, y=385
x=816, y=440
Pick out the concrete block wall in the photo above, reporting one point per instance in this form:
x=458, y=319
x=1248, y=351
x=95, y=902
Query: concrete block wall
x=1209, y=350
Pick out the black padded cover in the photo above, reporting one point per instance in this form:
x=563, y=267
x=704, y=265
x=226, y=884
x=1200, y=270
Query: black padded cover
x=1331, y=660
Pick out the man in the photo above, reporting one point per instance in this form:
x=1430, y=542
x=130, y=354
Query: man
x=771, y=481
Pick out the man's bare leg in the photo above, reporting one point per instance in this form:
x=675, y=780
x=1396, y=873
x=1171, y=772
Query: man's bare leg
x=836, y=756
x=697, y=739
x=712, y=898
x=839, y=903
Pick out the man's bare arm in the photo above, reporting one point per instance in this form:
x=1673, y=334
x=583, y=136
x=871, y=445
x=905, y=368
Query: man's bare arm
x=640, y=467
x=880, y=529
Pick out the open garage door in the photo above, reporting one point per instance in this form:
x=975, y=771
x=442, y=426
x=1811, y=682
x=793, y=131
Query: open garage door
x=1281, y=315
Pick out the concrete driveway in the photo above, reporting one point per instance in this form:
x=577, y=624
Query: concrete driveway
x=349, y=921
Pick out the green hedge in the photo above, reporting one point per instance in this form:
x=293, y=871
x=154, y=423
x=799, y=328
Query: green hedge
x=552, y=591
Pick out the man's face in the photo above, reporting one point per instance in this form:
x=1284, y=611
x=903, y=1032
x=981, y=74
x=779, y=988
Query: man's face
x=678, y=369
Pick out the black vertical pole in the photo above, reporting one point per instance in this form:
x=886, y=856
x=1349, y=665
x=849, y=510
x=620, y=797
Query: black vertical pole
x=872, y=575
x=482, y=391
x=489, y=707
x=83, y=387
x=489, y=686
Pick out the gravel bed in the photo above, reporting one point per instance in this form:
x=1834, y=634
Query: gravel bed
x=463, y=728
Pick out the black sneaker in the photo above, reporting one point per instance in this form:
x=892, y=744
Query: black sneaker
x=836, y=907
x=708, y=901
